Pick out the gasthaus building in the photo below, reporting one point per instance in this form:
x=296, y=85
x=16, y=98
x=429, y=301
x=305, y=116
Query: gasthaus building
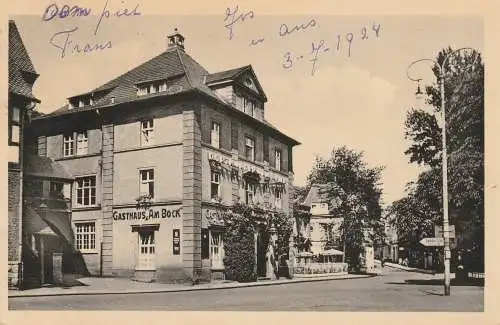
x=148, y=150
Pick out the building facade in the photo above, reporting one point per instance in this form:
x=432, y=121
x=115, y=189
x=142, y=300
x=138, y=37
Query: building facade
x=322, y=228
x=158, y=154
x=22, y=76
x=39, y=188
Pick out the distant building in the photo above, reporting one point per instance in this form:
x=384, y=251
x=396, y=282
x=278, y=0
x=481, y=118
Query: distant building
x=390, y=251
x=159, y=154
x=323, y=228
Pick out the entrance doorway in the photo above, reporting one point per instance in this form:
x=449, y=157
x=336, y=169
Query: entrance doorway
x=46, y=245
x=262, y=243
x=146, y=250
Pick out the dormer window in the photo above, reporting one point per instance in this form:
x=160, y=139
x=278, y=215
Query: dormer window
x=151, y=88
x=80, y=102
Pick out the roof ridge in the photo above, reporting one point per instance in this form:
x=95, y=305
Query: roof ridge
x=188, y=77
x=125, y=73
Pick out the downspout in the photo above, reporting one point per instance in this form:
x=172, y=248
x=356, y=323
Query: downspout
x=20, y=273
x=99, y=117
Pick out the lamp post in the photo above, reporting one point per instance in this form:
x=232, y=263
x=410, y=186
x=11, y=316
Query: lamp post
x=444, y=157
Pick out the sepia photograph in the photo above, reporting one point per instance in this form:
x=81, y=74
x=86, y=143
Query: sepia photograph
x=244, y=161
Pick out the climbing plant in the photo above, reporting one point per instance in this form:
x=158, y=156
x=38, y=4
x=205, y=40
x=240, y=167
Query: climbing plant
x=239, y=245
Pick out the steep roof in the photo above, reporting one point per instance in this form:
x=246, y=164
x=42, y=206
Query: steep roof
x=226, y=75
x=22, y=73
x=318, y=193
x=175, y=66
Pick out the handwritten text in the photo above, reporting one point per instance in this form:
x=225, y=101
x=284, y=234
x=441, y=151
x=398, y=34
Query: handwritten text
x=233, y=17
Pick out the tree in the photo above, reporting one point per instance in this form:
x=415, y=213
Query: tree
x=464, y=96
x=354, y=193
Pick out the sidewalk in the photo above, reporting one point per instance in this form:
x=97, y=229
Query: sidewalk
x=413, y=269
x=103, y=286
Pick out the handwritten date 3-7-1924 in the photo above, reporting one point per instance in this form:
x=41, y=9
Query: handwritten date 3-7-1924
x=320, y=47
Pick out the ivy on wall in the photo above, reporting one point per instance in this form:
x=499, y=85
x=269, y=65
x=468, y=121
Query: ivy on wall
x=239, y=240
x=239, y=245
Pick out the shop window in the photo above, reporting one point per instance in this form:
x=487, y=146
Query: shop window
x=85, y=236
x=85, y=191
x=216, y=249
x=215, y=185
x=277, y=159
x=82, y=143
x=146, y=250
x=68, y=145
x=250, y=193
x=147, y=183
x=250, y=148
x=147, y=132
x=215, y=135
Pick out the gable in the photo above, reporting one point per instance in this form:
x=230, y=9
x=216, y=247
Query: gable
x=249, y=81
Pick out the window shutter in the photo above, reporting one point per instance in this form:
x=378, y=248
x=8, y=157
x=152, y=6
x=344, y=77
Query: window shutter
x=234, y=135
x=205, y=244
x=266, y=148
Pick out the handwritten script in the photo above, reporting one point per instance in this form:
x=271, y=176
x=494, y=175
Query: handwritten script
x=341, y=42
x=64, y=40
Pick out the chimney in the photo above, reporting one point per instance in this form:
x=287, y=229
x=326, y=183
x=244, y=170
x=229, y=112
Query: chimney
x=175, y=40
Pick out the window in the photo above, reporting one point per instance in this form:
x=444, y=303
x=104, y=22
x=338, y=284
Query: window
x=57, y=190
x=215, y=135
x=152, y=88
x=68, y=145
x=216, y=249
x=215, y=185
x=85, y=236
x=33, y=188
x=15, y=132
x=250, y=148
x=14, y=125
x=250, y=193
x=85, y=191
x=82, y=143
x=146, y=250
x=278, y=200
x=147, y=129
x=147, y=182
x=277, y=159
x=248, y=106
x=16, y=113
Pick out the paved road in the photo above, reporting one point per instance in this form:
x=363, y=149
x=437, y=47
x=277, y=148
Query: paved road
x=393, y=291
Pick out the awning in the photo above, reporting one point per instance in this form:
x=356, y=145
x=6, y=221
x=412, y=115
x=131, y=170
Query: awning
x=58, y=223
x=34, y=224
x=331, y=252
x=46, y=168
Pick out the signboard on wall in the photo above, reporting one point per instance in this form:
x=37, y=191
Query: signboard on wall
x=176, y=241
x=153, y=213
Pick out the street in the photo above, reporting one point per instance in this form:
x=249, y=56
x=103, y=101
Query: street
x=394, y=290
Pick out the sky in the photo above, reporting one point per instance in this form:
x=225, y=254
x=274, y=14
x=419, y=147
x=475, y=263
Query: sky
x=357, y=98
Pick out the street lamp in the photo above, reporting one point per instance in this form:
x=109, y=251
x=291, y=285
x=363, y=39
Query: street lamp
x=444, y=157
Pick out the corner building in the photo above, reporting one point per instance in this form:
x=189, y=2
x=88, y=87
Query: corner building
x=158, y=154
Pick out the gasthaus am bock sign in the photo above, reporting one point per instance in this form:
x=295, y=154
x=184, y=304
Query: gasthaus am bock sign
x=153, y=213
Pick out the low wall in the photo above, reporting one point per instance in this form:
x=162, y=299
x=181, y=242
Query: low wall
x=319, y=269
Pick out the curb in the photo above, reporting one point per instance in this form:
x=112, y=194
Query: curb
x=409, y=269
x=216, y=287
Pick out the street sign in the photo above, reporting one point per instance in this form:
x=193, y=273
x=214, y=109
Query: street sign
x=438, y=231
x=432, y=241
